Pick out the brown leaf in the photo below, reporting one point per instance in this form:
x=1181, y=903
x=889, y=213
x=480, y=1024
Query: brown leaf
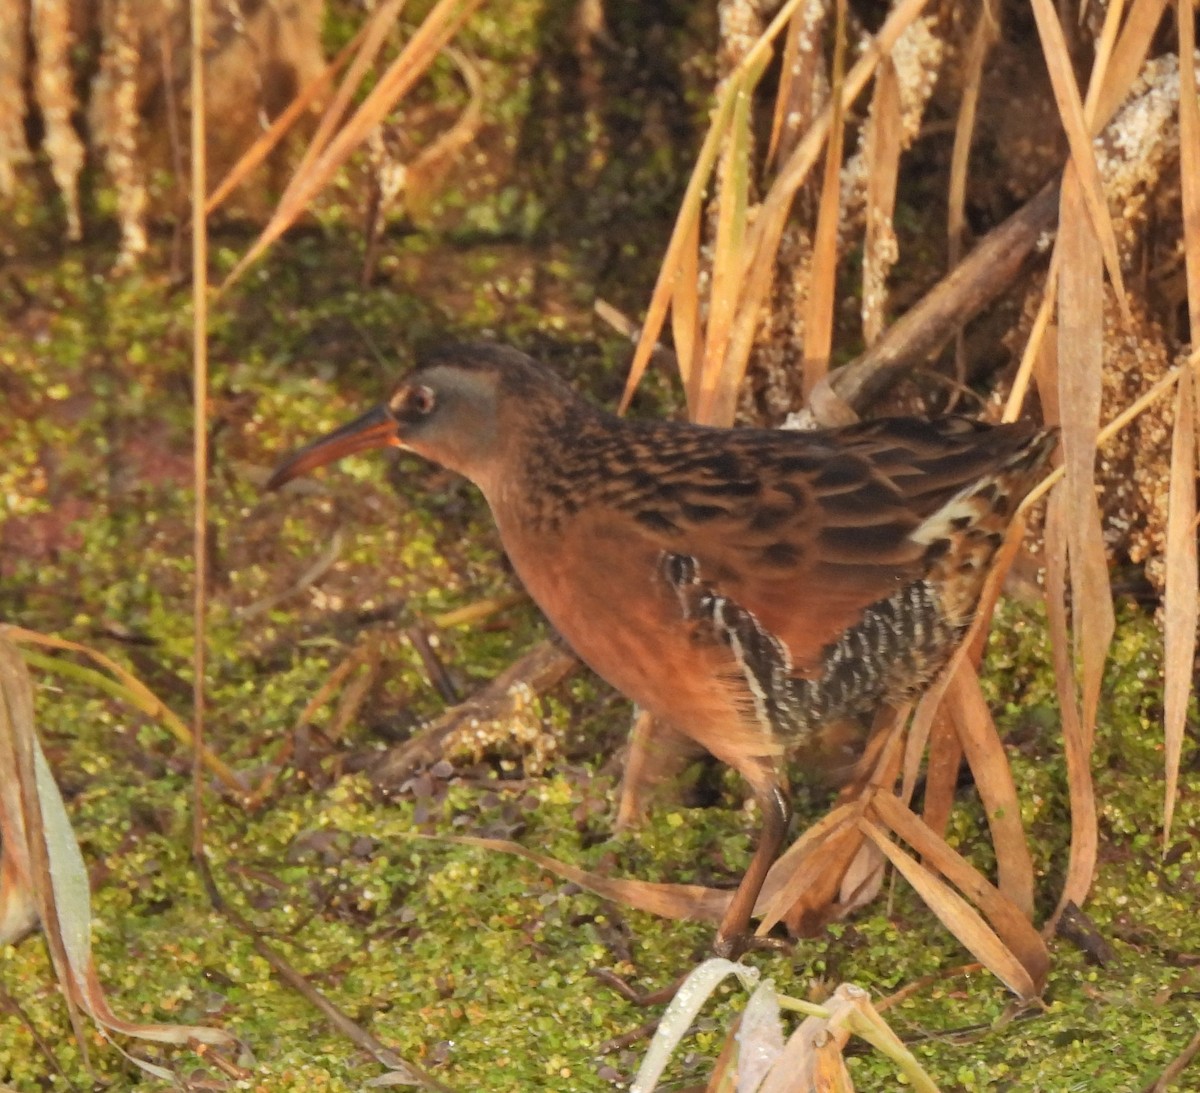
x=806, y=902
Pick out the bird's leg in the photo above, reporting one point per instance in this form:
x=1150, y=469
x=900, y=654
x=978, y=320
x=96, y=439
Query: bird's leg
x=657, y=753
x=734, y=935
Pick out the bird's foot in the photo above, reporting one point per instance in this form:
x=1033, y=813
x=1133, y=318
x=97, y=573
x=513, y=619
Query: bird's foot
x=734, y=946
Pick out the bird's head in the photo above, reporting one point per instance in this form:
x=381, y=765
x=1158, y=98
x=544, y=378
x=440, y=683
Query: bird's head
x=460, y=407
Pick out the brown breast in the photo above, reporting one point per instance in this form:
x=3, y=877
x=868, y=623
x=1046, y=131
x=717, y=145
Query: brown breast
x=597, y=581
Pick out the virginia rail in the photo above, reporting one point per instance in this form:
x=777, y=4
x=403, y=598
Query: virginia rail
x=745, y=586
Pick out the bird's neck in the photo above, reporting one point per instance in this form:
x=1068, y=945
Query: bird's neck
x=536, y=480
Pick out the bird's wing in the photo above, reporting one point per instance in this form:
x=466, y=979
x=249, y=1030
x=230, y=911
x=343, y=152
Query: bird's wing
x=805, y=531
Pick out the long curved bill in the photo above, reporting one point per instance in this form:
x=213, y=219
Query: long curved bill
x=375, y=429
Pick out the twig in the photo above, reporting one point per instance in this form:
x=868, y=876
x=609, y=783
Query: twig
x=354, y=1032
x=984, y=274
x=1176, y=1067
x=9, y=1003
x=627, y=1039
x=538, y=670
x=1078, y=928
x=319, y=567
x=434, y=668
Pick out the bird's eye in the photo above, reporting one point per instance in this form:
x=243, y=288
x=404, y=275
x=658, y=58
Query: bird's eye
x=420, y=399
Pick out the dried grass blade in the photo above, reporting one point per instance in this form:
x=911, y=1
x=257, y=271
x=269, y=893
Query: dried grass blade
x=685, y=228
x=983, y=36
x=962, y=920
x=866, y=1022
x=993, y=779
x=1114, y=80
x=1182, y=597
x=802, y=882
x=829, y=1068
x=1081, y=861
x=715, y=405
x=1189, y=166
x=785, y=96
x=430, y=163
x=919, y=731
x=805, y=901
x=1101, y=57
x=692, y=902
x=18, y=902
x=1070, y=109
x=434, y=33
x=266, y=142
x=59, y=874
x=19, y=752
x=796, y=1066
x=1080, y=355
x=373, y=36
x=1128, y=56
x=941, y=777
x=685, y=316
x=762, y=242
x=822, y=282
x=128, y=688
x=883, y=170
x=784, y=885
x=1138, y=406
x=756, y=58
x=1031, y=357
x=862, y=880
x=1008, y=920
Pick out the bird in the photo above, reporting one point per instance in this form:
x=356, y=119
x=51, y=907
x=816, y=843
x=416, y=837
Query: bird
x=745, y=586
